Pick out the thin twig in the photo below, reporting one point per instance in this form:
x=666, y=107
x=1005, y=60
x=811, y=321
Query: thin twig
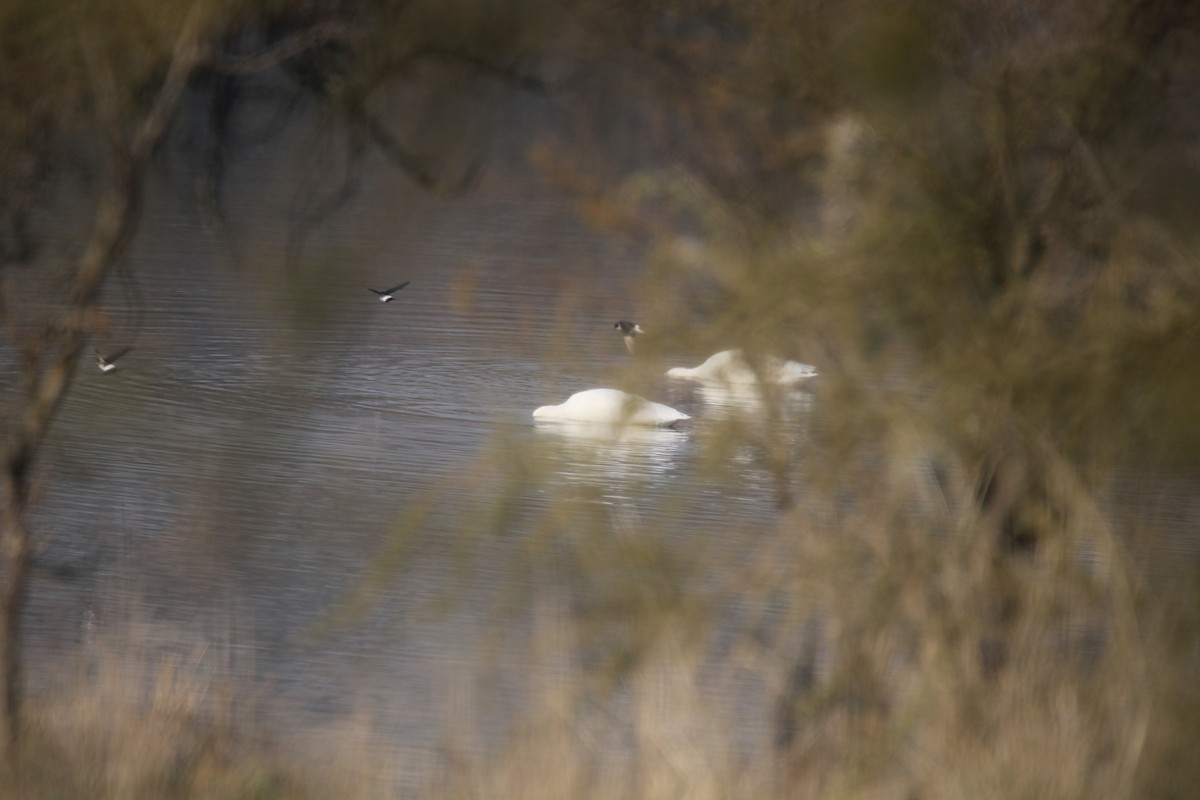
x=49, y=378
x=288, y=47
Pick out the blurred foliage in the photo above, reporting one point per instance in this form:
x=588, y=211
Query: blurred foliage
x=962, y=213
x=976, y=218
x=77, y=77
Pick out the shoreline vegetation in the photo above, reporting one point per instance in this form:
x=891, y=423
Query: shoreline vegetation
x=976, y=219
x=1072, y=711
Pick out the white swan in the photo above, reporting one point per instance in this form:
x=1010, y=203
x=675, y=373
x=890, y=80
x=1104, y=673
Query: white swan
x=790, y=372
x=613, y=407
x=729, y=366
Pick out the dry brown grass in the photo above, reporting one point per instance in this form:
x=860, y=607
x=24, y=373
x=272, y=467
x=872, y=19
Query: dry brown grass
x=879, y=647
x=133, y=722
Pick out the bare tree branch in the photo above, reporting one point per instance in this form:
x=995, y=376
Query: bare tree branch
x=396, y=152
x=288, y=47
x=307, y=219
x=506, y=73
x=51, y=361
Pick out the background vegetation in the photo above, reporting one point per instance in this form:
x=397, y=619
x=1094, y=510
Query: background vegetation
x=978, y=220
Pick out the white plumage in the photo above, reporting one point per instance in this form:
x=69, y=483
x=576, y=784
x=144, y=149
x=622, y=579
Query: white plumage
x=611, y=407
x=729, y=366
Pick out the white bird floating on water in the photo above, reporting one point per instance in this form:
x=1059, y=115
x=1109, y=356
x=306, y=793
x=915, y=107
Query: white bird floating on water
x=730, y=366
x=612, y=407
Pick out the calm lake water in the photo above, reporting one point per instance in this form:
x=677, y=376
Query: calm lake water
x=335, y=495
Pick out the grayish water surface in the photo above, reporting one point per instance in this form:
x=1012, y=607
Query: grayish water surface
x=279, y=446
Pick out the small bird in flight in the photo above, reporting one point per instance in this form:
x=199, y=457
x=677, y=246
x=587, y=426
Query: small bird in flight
x=109, y=363
x=628, y=330
x=387, y=295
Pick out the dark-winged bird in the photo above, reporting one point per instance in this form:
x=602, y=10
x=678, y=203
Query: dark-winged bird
x=387, y=295
x=629, y=330
x=109, y=363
